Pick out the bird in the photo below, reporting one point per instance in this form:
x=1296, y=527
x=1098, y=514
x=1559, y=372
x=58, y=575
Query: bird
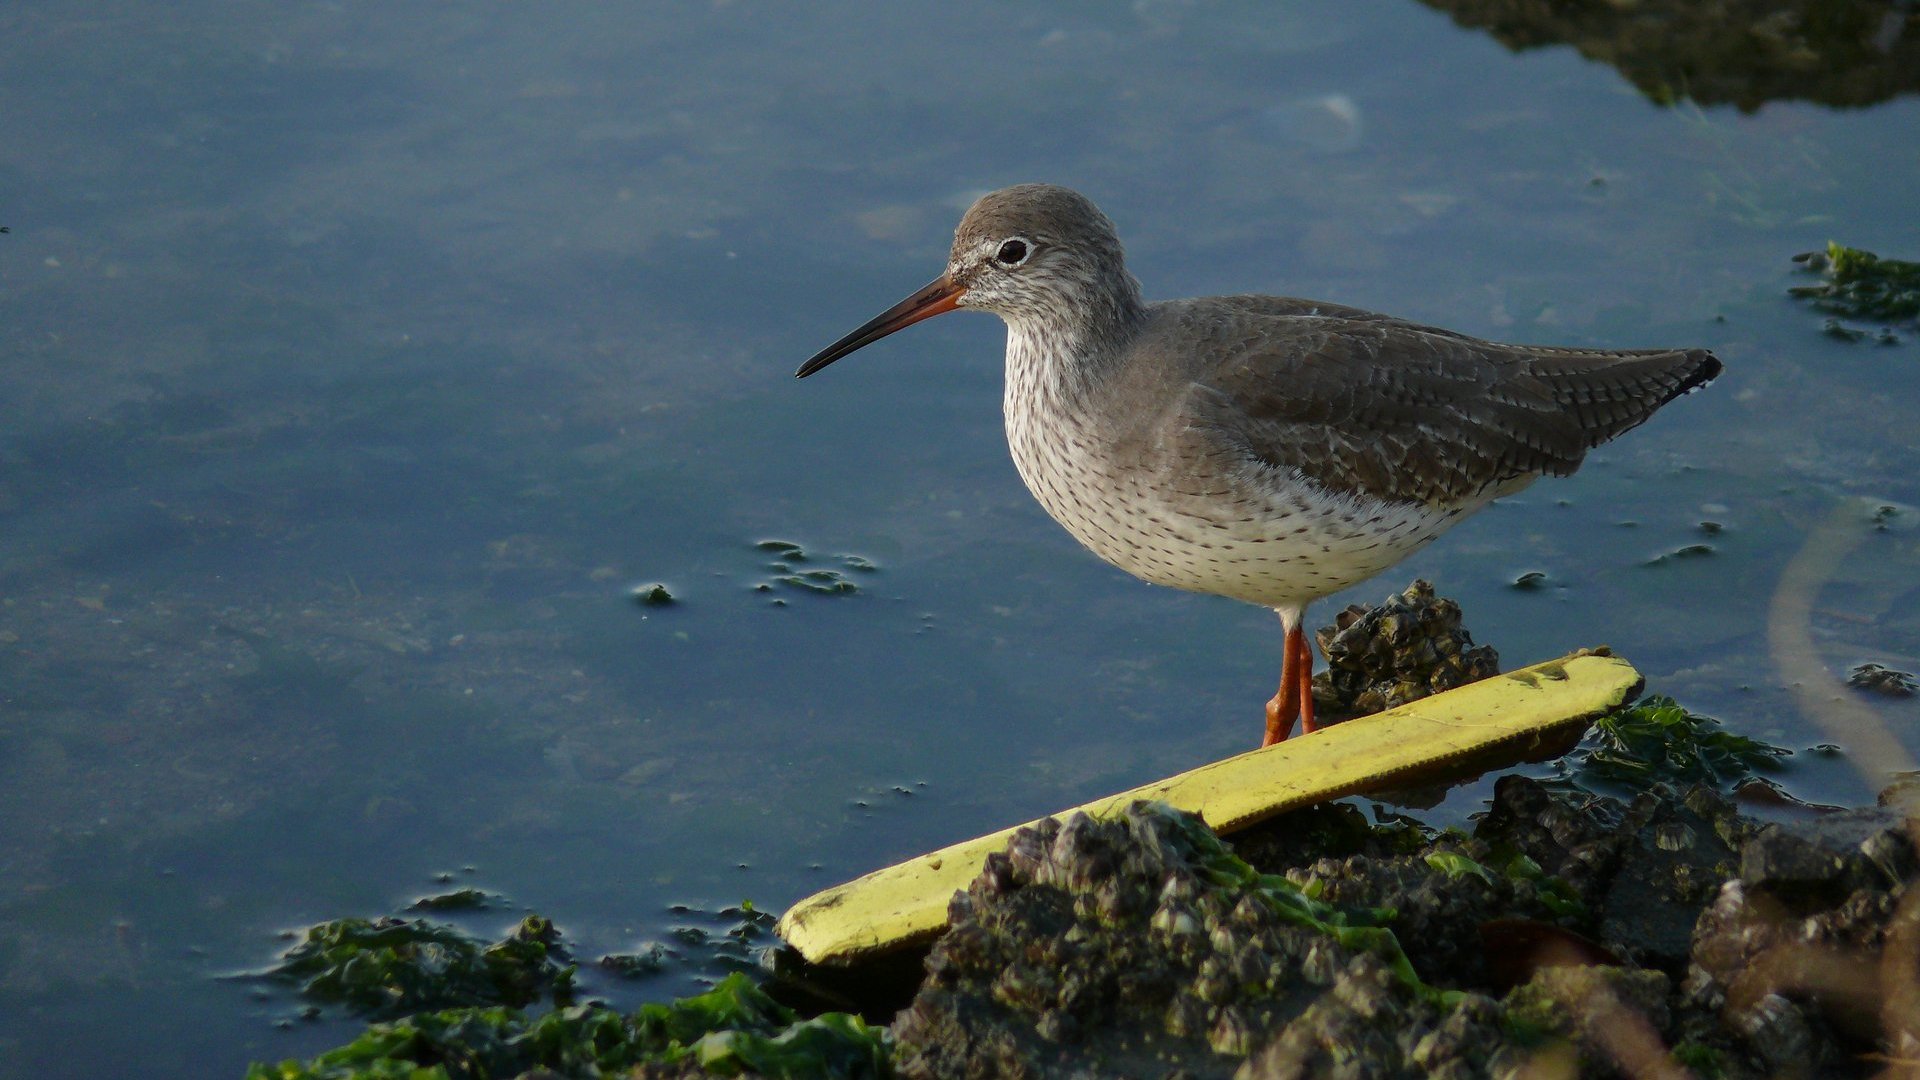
x=1265, y=448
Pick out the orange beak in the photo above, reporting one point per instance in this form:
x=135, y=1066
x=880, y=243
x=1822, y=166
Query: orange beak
x=940, y=296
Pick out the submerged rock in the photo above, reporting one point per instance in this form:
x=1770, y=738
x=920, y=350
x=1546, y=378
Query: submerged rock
x=1408, y=647
x=1883, y=680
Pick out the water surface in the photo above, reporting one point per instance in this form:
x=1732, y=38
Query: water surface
x=358, y=362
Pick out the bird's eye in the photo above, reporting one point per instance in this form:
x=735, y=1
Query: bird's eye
x=1012, y=253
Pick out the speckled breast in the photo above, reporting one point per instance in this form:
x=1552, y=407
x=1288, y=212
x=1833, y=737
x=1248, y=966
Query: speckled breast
x=1242, y=529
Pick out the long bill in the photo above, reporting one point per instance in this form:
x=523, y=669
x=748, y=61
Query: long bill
x=941, y=295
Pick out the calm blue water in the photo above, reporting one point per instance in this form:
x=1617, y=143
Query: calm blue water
x=357, y=361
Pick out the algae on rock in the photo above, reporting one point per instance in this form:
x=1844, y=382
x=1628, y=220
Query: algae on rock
x=389, y=967
x=1656, y=741
x=732, y=1030
x=1862, y=286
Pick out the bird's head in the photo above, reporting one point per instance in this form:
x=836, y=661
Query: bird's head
x=1032, y=253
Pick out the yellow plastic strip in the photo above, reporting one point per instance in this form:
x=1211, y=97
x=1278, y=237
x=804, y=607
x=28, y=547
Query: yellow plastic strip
x=1521, y=715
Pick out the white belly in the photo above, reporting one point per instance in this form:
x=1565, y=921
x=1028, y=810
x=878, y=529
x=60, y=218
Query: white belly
x=1250, y=532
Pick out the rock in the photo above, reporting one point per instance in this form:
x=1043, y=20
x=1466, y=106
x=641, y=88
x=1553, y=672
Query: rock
x=1671, y=859
x=1883, y=680
x=1440, y=897
x=1570, y=935
x=1141, y=946
x=1367, y=1024
x=1609, y=1013
x=1332, y=830
x=1902, y=796
x=1811, y=864
x=1792, y=948
x=1642, y=871
x=1405, y=649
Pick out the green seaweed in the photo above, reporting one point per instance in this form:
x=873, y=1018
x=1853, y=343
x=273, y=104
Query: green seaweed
x=783, y=571
x=1553, y=892
x=1457, y=866
x=1657, y=741
x=1700, y=1059
x=391, y=967
x=1860, y=285
x=734, y=1028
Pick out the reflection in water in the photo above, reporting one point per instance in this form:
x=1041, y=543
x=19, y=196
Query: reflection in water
x=1745, y=53
x=1790, y=623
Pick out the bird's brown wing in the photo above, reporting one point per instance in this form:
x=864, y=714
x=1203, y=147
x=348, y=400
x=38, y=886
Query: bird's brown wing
x=1376, y=406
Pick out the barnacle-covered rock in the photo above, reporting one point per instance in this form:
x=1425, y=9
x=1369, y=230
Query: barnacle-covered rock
x=1369, y=1023
x=1214, y=968
x=1439, y=898
x=1405, y=649
x=1205, y=961
x=1605, y=1009
x=1633, y=875
x=1820, y=862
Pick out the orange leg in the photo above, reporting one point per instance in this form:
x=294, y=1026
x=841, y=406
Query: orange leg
x=1286, y=703
x=1295, y=697
x=1304, y=664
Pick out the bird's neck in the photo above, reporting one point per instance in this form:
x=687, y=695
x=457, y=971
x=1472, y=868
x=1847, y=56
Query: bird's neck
x=1065, y=353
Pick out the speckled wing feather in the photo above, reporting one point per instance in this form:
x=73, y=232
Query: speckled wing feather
x=1367, y=404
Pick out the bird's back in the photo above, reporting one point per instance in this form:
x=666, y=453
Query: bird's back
x=1372, y=405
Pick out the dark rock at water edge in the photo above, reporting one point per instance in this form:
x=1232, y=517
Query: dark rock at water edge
x=1663, y=933
x=1407, y=648
x=1569, y=932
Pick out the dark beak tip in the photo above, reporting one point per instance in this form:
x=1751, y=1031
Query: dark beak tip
x=939, y=295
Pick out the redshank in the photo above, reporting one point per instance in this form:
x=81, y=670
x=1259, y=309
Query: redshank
x=1265, y=448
